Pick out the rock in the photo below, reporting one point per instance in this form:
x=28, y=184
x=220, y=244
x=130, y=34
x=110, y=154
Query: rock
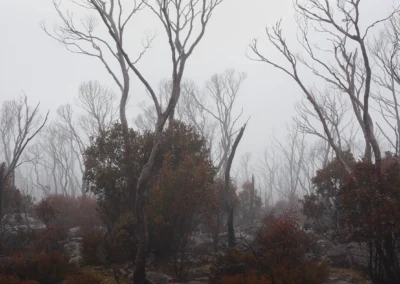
x=100, y=229
x=15, y=228
x=158, y=278
x=123, y=272
x=338, y=256
x=74, y=232
x=348, y=254
x=201, y=273
x=324, y=246
x=130, y=277
x=20, y=223
x=128, y=266
x=76, y=260
x=359, y=254
x=72, y=248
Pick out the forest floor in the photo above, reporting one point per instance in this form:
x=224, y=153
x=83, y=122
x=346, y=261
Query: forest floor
x=200, y=275
x=345, y=276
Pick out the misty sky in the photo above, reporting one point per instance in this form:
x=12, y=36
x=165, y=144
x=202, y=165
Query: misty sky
x=32, y=62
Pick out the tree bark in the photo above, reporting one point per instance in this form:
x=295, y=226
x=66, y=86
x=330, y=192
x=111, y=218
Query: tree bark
x=252, y=200
x=228, y=200
x=2, y=182
x=139, y=274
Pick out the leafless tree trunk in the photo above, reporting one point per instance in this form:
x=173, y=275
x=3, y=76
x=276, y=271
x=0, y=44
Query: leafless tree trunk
x=286, y=178
x=228, y=201
x=268, y=169
x=253, y=190
x=245, y=168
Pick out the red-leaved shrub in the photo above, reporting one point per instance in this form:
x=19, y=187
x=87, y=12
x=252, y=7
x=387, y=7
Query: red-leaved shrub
x=83, y=278
x=277, y=256
x=37, y=266
x=68, y=211
x=371, y=210
x=51, y=239
x=45, y=211
x=6, y=279
x=93, y=248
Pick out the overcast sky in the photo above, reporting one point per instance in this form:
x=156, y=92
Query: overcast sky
x=32, y=62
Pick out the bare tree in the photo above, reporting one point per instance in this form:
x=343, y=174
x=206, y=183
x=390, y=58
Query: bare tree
x=146, y=120
x=350, y=75
x=385, y=50
x=181, y=21
x=19, y=124
x=187, y=110
x=86, y=40
x=56, y=158
x=190, y=112
x=100, y=110
x=99, y=114
x=292, y=159
x=245, y=167
x=222, y=91
x=335, y=110
x=268, y=167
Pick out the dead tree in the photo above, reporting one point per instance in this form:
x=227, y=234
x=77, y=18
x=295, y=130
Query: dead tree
x=222, y=91
x=189, y=111
x=99, y=113
x=346, y=71
x=253, y=193
x=268, y=167
x=85, y=39
x=100, y=109
x=385, y=51
x=228, y=201
x=19, y=125
x=276, y=38
x=186, y=109
x=185, y=24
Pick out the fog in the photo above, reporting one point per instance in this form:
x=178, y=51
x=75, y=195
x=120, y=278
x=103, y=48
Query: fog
x=284, y=122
